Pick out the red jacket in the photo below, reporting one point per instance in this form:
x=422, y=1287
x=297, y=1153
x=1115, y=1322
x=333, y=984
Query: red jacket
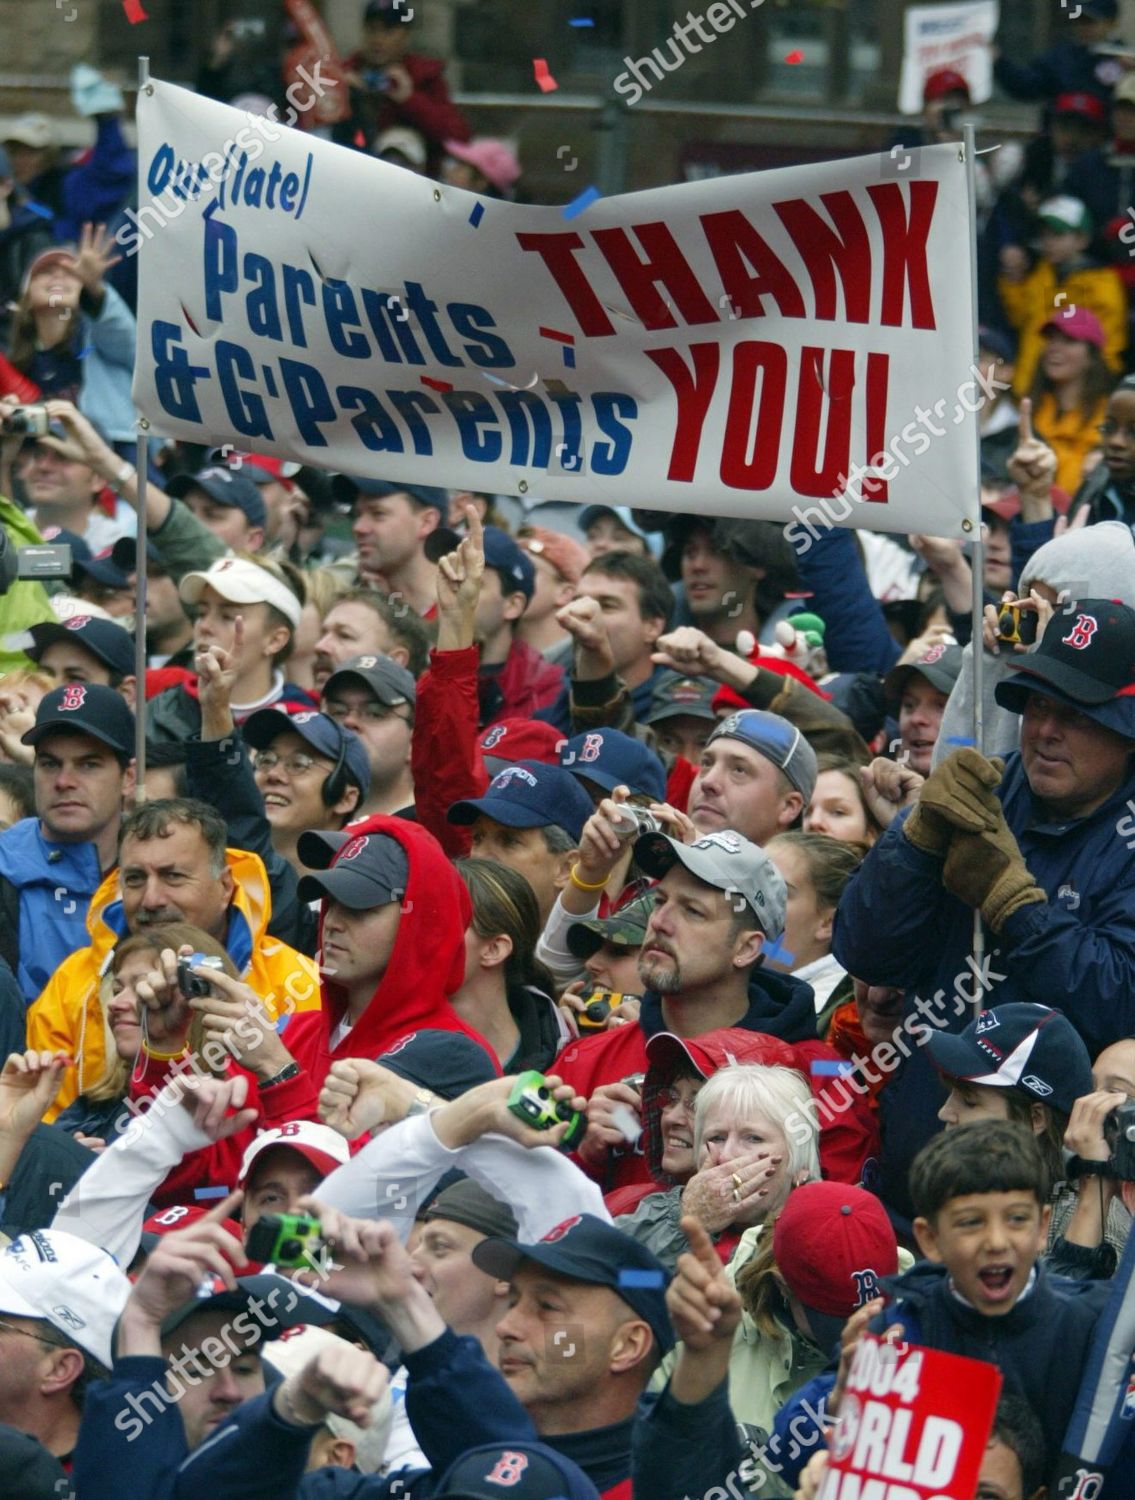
x=847, y=1141
x=526, y=683
x=446, y=714
x=425, y=968
x=428, y=109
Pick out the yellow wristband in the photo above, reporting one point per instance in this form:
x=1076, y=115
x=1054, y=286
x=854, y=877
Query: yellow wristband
x=581, y=885
x=162, y=1056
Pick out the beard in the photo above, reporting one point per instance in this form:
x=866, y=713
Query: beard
x=665, y=977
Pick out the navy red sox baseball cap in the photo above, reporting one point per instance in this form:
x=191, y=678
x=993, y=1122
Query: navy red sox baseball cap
x=584, y=1248
x=105, y=640
x=1086, y=658
x=529, y=795
x=610, y=758
x=85, y=708
x=1019, y=1045
x=445, y=1062
x=224, y=486
x=523, y=1471
x=323, y=734
x=360, y=871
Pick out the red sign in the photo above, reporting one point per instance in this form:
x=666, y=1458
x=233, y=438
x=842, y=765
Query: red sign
x=913, y=1425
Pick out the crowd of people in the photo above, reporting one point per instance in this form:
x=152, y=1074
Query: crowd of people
x=523, y=1021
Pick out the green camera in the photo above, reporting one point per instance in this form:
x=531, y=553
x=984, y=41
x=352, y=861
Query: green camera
x=531, y=1101
x=285, y=1240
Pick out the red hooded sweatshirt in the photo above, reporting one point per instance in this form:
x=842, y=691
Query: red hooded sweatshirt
x=425, y=968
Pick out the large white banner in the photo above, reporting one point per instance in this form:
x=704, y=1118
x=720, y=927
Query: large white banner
x=778, y=344
x=957, y=36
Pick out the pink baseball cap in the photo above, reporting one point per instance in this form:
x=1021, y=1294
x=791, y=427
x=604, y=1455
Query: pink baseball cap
x=1077, y=323
x=492, y=158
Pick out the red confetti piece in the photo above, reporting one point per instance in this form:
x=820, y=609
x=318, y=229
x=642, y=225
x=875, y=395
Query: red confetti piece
x=795, y=57
x=435, y=385
x=134, y=11
x=554, y=333
x=544, y=79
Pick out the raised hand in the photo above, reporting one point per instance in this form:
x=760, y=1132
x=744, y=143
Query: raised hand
x=96, y=255
x=1032, y=465
x=358, y=1095
x=703, y=1304
x=29, y=1082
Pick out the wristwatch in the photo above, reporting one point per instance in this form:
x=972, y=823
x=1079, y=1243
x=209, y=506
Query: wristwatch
x=289, y=1070
x=423, y=1101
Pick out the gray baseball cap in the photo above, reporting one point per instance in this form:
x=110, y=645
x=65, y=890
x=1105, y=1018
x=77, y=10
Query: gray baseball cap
x=777, y=740
x=727, y=860
x=387, y=679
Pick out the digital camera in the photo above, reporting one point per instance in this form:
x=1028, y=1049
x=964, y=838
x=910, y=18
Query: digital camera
x=634, y=821
x=192, y=986
x=26, y=421
x=1119, y=1133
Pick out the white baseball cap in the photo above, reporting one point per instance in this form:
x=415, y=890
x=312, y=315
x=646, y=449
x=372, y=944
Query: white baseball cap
x=293, y=1351
x=73, y=1285
x=242, y=582
x=323, y=1147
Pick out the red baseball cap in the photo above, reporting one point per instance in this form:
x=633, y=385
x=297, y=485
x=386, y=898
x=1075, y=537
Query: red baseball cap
x=832, y=1243
x=1083, y=106
x=1009, y=504
x=1077, y=323
x=944, y=81
x=180, y=1216
x=512, y=740
x=323, y=1147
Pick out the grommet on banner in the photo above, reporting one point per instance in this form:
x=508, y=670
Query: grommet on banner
x=149, y=89
x=437, y=195
x=523, y=486
x=144, y=423
x=967, y=525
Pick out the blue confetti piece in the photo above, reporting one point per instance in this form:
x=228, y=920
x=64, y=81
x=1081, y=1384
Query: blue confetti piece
x=831, y=1068
x=477, y=215
x=581, y=21
x=211, y=1192
x=573, y=209
x=959, y=739
x=569, y=356
x=780, y=952
x=655, y=1280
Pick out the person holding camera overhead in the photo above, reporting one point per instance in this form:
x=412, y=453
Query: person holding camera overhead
x=390, y=85
x=1032, y=845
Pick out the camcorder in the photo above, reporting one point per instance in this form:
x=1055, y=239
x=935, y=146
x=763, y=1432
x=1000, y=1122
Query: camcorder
x=1119, y=1133
x=44, y=560
x=191, y=985
x=285, y=1240
x=1017, y=625
x=531, y=1101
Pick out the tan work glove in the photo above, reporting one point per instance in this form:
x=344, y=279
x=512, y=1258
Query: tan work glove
x=988, y=870
x=957, y=797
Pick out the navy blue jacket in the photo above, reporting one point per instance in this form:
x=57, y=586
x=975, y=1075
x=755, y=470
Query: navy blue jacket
x=897, y=925
x=1065, y=68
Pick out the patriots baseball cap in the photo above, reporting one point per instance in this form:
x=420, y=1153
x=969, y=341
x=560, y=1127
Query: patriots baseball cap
x=941, y=666
x=675, y=694
x=529, y=794
x=348, y=487
x=85, y=708
x=318, y=1144
x=112, y=645
x=272, y=1303
x=1085, y=658
x=225, y=486
x=584, y=1248
x=777, y=740
x=501, y=553
x=1018, y=1046
x=360, y=871
x=833, y=1244
x=610, y=758
x=511, y=740
x=386, y=678
x=445, y=1062
x=625, y=927
x=71, y=1284
x=324, y=736
x=241, y=581
x=728, y=861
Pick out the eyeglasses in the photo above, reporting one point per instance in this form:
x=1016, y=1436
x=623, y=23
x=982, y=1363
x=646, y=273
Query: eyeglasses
x=1109, y=427
x=40, y=1338
x=295, y=765
x=373, y=712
